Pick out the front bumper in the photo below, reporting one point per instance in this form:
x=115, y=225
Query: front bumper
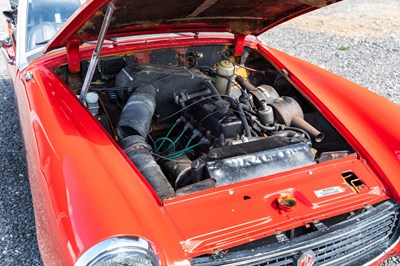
x=362, y=238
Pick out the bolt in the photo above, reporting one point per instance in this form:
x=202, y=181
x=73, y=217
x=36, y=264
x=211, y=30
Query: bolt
x=28, y=76
x=213, y=155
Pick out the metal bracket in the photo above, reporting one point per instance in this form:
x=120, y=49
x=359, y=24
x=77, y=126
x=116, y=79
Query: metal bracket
x=319, y=225
x=73, y=56
x=281, y=237
x=239, y=44
x=367, y=208
x=28, y=76
x=96, y=52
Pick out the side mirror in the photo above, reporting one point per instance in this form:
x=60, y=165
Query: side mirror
x=11, y=15
x=8, y=14
x=5, y=41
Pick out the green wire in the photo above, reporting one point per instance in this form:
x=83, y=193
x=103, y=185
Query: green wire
x=175, y=141
x=187, y=145
x=164, y=138
x=181, y=152
x=172, y=144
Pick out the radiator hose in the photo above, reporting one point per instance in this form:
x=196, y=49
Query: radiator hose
x=133, y=128
x=139, y=152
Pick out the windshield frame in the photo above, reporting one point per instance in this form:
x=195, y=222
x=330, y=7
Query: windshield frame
x=23, y=55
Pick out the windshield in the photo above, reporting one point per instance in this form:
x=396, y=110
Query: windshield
x=45, y=17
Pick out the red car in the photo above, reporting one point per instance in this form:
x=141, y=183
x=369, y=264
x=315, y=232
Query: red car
x=166, y=133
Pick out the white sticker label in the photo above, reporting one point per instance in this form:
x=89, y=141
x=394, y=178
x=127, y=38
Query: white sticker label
x=57, y=17
x=328, y=191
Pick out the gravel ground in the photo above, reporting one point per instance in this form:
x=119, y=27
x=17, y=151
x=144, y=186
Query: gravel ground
x=17, y=224
x=357, y=39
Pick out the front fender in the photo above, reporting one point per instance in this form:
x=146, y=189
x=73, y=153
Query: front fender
x=369, y=122
x=84, y=189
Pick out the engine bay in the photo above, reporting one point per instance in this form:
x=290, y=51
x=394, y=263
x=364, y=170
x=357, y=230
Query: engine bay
x=197, y=117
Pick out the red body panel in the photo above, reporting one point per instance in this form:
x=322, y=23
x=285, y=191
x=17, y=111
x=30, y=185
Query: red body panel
x=77, y=193
x=85, y=190
x=367, y=121
x=243, y=213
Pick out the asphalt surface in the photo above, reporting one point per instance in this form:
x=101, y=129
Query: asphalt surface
x=359, y=40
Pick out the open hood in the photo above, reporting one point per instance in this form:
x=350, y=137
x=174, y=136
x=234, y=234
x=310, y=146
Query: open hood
x=153, y=16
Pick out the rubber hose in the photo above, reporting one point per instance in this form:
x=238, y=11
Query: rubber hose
x=212, y=88
x=133, y=128
x=265, y=128
x=137, y=113
x=245, y=84
x=244, y=120
x=300, y=130
x=139, y=152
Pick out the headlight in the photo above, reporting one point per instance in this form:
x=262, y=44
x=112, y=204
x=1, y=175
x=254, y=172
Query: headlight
x=127, y=251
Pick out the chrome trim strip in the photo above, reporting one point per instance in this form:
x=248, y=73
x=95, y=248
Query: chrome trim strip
x=383, y=253
x=20, y=56
x=318, y=242
x=376, y=215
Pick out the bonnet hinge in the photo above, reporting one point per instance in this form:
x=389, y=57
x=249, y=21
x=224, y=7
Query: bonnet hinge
x=73, y=56
x=239, y=44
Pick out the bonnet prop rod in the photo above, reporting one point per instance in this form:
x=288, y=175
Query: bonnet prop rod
x=96, y=52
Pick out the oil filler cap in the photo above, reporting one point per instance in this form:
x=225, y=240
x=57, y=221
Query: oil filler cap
x=286, y=203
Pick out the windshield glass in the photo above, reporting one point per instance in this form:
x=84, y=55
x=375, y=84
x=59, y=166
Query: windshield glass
x=45, y=17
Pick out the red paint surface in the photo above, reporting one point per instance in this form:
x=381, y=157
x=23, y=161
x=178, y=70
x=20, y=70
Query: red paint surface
x=85, y=190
